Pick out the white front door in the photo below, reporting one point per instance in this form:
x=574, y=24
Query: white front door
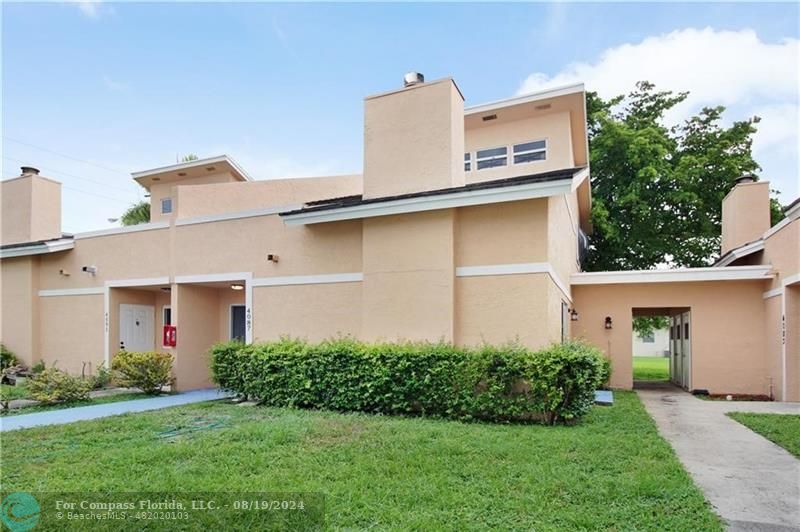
x=136, y=323
x=686, y=350
x=677, y=352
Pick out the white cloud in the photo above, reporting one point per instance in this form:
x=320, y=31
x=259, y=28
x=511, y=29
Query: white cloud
x=89, y=8
x=732, y=68
x=114, y=85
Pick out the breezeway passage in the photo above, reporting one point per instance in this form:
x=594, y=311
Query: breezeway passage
x=82, y=413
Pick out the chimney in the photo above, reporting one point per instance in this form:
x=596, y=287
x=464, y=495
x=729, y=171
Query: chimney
x=414, y=138
x=745, y=212
x=31, y=208
x=413, y=78
x=29, y=170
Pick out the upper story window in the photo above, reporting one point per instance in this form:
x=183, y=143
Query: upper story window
x=492, y=158
x=467, y=162
x=529, y=152
x=166, y=205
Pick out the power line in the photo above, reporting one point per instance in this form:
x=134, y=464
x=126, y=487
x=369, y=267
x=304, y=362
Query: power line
x=66, y=156
x=96, y=194
x=51, y=169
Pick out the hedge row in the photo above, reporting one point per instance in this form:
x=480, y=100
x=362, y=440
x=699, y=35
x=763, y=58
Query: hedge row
x=508, y=383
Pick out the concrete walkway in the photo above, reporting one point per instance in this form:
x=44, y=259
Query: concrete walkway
x=82, y=413
x=752, y=483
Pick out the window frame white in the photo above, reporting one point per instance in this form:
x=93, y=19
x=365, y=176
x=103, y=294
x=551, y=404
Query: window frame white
x=479, y=159
x=468, y=161
x=169, y=199
x=544, y=150
x=164, y=309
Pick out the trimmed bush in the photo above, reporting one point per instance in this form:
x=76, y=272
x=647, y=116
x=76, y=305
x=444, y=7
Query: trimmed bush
x=507, y=383
x=7, y=358
x=148, y=370
x=53, y=385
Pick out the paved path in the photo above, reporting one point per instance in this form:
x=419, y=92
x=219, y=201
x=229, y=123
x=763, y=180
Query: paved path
x=752, y=483
x=81, y=413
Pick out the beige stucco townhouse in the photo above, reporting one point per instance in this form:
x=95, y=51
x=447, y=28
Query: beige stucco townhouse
x=467, y=225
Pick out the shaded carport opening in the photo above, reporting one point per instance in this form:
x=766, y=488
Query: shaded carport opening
x=678, y=350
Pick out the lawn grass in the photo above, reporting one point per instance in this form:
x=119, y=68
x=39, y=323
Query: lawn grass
x=650, y=368
x=60, y=406
x=782, y=429
x=10, y=393
x=612, y=471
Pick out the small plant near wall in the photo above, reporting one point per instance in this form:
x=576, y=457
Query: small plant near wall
x=149, y=371
x=101, y=377
x=53, y=385
x=7, y=358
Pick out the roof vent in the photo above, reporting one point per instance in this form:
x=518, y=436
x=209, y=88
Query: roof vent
x=29, y=170
x=746, y=178
x=413, y=78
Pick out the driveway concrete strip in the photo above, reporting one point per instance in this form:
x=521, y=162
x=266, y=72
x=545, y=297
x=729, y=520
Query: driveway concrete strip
x=752, y=483
x=82, y=413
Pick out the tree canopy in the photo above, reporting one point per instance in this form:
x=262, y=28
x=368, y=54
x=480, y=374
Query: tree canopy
x=138, y=213
x=658, y=189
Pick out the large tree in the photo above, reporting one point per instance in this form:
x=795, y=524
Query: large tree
x=658, y=189
x=138, y=213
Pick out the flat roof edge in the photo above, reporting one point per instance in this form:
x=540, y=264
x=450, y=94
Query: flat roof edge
x=526, y=98
x=729, y=273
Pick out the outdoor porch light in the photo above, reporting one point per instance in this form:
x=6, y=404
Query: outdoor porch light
x=237, y=286
x=573, y=314
x=609, y=325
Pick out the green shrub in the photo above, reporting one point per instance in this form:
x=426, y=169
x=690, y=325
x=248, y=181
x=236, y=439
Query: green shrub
x=7, y=358
x=54, y=386
x=506, y=383
x=148, y=371
x=101, y=377
x=38, y=367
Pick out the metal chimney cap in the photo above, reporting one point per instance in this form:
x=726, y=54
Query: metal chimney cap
x=746, y=178
x=413, y=78
x=29, y=170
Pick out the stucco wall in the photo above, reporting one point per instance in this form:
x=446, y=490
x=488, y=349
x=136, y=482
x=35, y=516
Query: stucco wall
x=159, y=191
x=413, y=139
x=315, y=312
x=72, y=331
x=408, y=286
x=503, y=308
x=31, y=209
x=728, y=320
x=745, y=214
x=233, y=197
x=554, y=128
x=19, y=331
x=196, y=314
x=505, y=233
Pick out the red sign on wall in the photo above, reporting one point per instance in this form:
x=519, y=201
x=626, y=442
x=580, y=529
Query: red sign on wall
x=170, y=338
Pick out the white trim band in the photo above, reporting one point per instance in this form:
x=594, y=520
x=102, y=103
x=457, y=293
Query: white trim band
x=729, y=273
x=772, y=293
x=122, y=230
x=252, y=213
x=741, y=251
x=213, y=277
x=515, y=269
x=142, y=281
x=526, y=98
x=430, y=203
x=38, y=249
x=309, y=279
x=91, y=291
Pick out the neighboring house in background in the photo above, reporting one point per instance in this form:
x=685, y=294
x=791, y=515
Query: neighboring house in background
x=652, y=345
x=467, y=226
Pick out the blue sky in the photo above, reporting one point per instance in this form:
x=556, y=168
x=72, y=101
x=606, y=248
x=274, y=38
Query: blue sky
x=92, y=92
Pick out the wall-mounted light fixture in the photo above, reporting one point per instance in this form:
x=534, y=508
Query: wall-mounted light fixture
x=237, y=286
x=573, y=314
x=272, y=258
x=609, y=323
x=63, y=272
